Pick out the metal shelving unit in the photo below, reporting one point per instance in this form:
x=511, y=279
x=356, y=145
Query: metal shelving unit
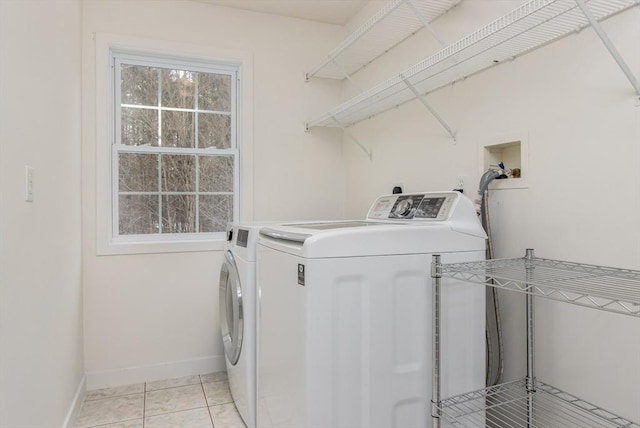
x=607, y=289
x=506, y=406
x=529, y=402
x=530, y=26
x=391, y=25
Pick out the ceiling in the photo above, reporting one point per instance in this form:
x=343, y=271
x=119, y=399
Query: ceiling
x=329, y=11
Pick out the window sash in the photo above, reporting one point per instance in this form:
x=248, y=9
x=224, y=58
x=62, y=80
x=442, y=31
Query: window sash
x=116, y=193
x=119, y=58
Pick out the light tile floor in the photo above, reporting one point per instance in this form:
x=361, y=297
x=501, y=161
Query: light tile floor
x=192, y=402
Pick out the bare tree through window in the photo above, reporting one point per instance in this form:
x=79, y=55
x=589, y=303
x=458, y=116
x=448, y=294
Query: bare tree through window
x=175, y=153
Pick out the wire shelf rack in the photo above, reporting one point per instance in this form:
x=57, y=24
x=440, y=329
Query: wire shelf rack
x=395, y=22
x=511, y=405
x=604, y=288
x=528, y=402
x=530, y=26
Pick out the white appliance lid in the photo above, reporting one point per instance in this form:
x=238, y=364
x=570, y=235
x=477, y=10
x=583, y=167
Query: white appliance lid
x=335, y=225
x=451, y=226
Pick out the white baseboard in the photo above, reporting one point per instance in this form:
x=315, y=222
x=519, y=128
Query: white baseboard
x=70, y=420
x=129, y=375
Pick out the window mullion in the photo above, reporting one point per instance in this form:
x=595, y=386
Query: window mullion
x=187, y=110
x=160, y=183
x=160, y=193
x=197, y=145
x=197, y=207
x=160, y=107
x=209, y=151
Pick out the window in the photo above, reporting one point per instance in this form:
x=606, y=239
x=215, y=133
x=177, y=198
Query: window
x=175, y=166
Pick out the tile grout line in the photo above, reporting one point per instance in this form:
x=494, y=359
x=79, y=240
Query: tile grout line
x=206, y=401
x=144, y=403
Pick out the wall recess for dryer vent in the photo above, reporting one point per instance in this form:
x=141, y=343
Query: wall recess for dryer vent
x=513, y=151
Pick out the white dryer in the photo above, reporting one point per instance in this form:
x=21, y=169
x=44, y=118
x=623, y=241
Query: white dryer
x=345, y=315
x=237, y=297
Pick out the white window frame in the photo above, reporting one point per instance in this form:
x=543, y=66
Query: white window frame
x=107, y=125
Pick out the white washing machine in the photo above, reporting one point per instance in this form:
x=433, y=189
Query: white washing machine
x=345, y=315
x=238, y=294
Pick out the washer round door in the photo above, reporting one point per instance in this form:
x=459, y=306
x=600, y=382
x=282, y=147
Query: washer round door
x=231, y=310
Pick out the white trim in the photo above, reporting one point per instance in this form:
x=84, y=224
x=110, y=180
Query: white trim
x=78, y=399
x=104, y=43
x=129, y=375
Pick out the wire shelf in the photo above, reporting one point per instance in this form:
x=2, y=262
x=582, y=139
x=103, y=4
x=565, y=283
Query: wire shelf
x=604, y=288
x=510, y=405
x=530, y=26
x=395, y=22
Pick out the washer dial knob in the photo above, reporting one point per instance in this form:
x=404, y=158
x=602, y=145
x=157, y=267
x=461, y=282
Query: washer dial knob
x=403, y=208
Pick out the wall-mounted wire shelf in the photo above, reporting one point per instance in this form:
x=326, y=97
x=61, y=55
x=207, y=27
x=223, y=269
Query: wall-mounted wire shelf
x=510, y=405
x=530, y=26
x=390, y=26
x=529, y=403
x=604, y=288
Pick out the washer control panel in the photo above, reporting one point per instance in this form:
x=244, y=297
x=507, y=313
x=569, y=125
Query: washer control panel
x=434, y=206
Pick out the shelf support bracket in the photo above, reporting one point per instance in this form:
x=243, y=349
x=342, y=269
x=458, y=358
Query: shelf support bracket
x=429, y=107
x=346, y=75
x=609, y=45
x=425, y=24
x=352, y=138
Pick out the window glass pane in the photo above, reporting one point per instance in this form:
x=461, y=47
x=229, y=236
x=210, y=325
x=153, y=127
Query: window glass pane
x=177, y=129
x=214, y=130
x=214, y=92
x=139, y=127
x=216, y=174
x=138, y=172
x=138, y=214
x=178, y=173
x=178, y=88
x=139, y=85
x=178, y=214
x=215, y=212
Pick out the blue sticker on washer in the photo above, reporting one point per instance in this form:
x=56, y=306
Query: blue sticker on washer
x=300, y=274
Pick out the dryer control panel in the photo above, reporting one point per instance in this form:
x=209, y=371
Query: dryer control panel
x=432, y=206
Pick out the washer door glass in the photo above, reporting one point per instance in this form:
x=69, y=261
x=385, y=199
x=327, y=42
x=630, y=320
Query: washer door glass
x=231, y=310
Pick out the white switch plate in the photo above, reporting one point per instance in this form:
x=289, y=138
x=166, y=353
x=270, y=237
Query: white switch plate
x=28, y=173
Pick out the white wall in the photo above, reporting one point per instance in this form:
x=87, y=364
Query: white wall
x=41, y=352
x=582, y=121
x=156, y=315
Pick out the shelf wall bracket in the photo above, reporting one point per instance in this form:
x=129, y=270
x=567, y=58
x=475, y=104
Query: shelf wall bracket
x=609, y=45
x=424, y=23
x=353, y=138
x=429, y=107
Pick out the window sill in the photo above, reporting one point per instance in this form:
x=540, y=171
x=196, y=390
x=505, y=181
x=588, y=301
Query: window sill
x=157, y=247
